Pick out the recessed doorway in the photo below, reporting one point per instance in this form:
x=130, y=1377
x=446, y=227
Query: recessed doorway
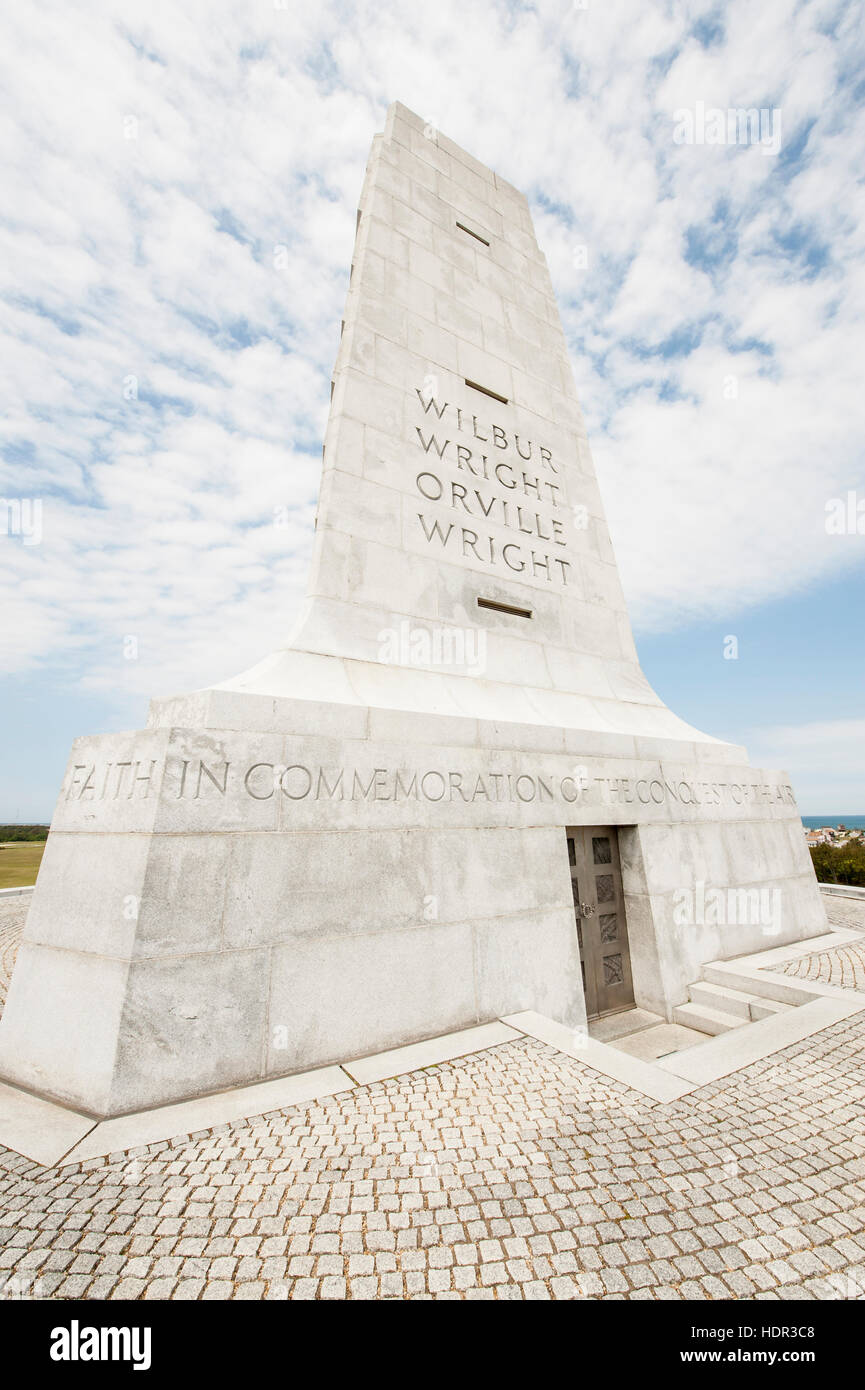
x=602, y=931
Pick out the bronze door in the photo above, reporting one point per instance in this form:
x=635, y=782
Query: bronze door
x=596, y=883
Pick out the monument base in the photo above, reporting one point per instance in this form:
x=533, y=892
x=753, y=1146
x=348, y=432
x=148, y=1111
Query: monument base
x=291, y=882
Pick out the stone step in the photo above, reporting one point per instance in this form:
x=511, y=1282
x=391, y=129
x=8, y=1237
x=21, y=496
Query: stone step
x=720, y=973
x=721, y=997
x=746, y=1006
x=766, y=1008
x=706, y=1019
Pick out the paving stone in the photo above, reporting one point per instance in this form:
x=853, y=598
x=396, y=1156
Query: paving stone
x=431, y=1185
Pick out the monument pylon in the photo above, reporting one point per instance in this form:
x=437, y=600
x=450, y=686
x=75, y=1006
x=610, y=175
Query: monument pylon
x=452, y=794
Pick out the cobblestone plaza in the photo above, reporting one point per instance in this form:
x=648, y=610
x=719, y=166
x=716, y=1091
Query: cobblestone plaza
x=513, y=1173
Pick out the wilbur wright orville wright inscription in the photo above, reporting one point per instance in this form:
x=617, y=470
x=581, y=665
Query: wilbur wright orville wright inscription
x=452, y=793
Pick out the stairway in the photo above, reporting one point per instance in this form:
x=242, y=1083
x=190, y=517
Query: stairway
x=717, y=1008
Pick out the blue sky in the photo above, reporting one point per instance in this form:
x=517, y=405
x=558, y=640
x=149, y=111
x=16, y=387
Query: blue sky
x=176, y=235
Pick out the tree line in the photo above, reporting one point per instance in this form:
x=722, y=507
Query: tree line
x=16, y=833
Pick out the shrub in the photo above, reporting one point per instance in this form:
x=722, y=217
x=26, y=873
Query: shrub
x=839, y=863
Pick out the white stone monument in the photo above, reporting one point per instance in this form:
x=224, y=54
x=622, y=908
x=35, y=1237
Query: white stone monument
x=452, y=794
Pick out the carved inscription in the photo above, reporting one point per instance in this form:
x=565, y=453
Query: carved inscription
x=196, y=779
x=486, y=481
x=110, y=781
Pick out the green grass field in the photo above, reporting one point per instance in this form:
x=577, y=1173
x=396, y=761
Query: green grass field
x=19, y=863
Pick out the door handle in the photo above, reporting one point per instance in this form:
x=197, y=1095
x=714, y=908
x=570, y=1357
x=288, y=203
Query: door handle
x=586, y=909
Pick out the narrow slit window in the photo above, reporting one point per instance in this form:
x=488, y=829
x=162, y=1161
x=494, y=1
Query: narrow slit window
x=504, y=608
x=485, y=391
x=477, y=236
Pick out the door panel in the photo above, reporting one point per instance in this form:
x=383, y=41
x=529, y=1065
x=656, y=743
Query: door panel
x=596, y=884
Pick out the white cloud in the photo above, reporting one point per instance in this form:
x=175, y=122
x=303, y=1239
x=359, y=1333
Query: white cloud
x=826, y=761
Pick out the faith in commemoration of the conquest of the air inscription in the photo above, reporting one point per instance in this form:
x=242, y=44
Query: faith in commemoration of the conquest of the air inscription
x=192, y=779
